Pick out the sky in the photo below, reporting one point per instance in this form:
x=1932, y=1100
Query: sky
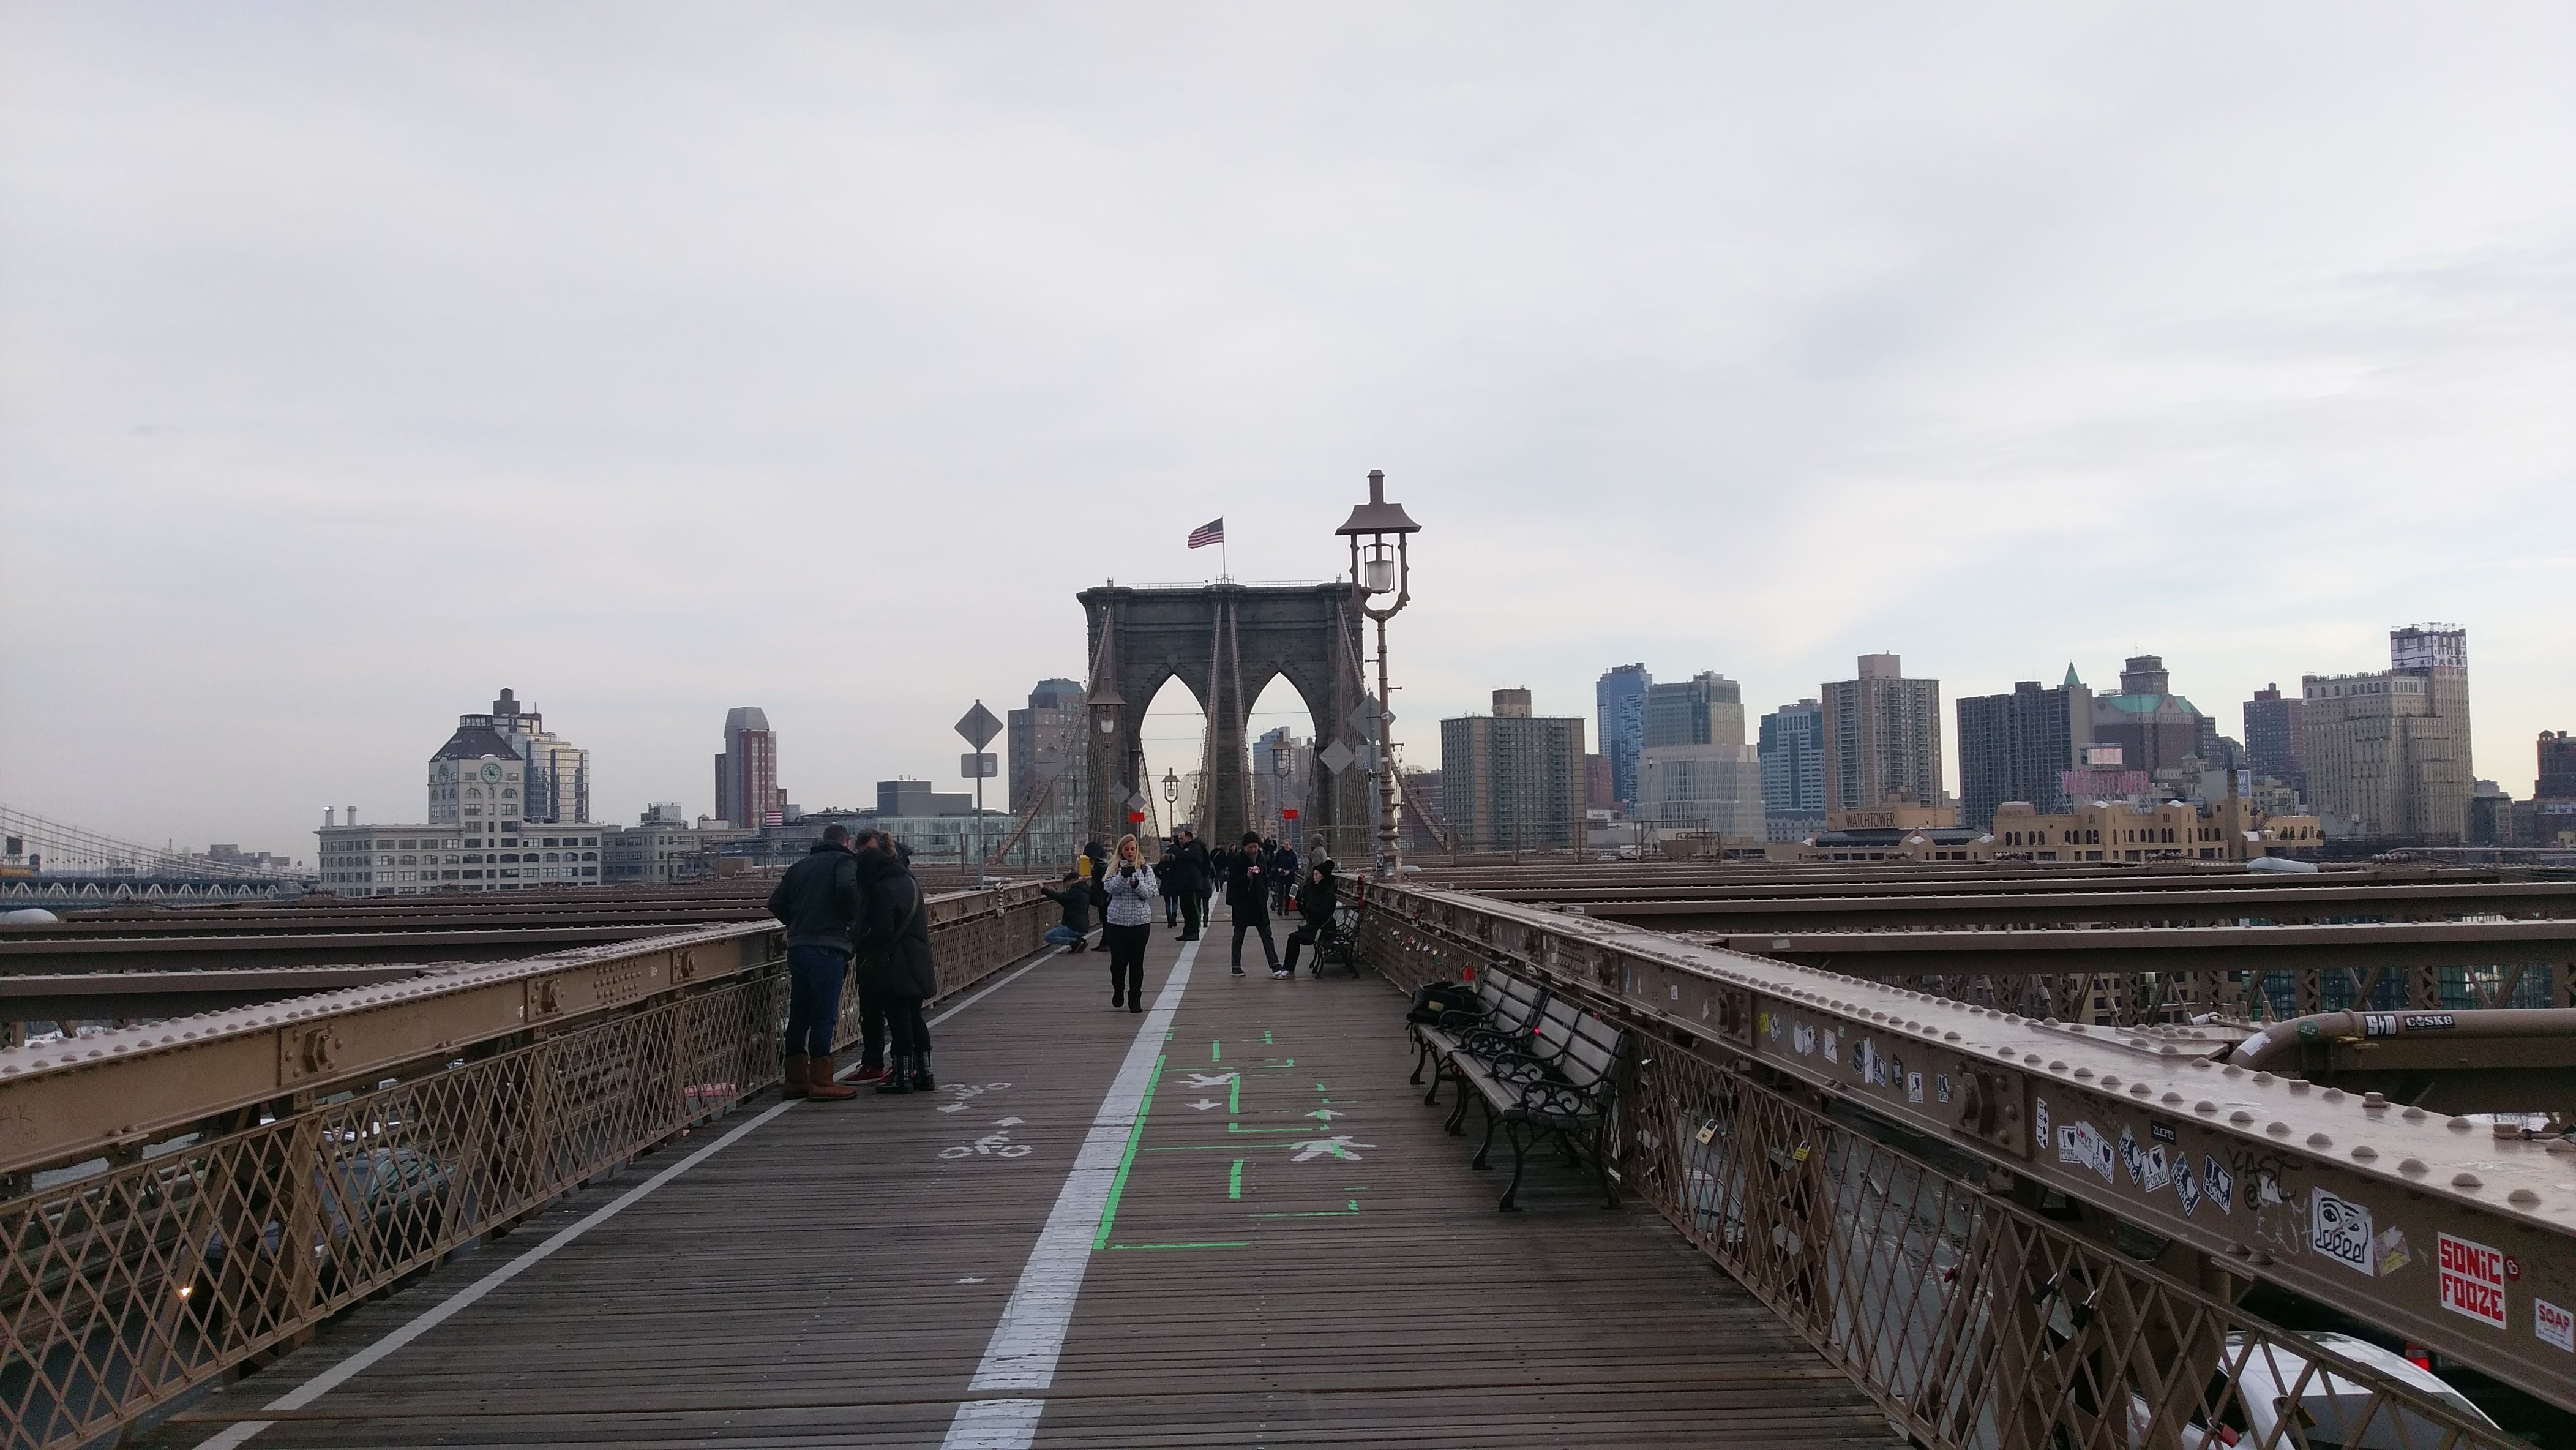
x=358, y=361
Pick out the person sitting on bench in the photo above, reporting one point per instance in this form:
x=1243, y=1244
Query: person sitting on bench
x=1317, y=898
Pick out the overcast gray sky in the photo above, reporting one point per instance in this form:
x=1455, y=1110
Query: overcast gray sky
x=356, y=361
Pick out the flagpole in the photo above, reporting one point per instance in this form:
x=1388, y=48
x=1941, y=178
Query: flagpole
x=1224, y=570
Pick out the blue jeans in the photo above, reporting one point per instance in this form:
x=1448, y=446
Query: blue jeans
x=814, y=998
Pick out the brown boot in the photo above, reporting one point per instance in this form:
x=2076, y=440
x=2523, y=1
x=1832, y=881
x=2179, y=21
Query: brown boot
x=795, y=1076
x=819, y=1084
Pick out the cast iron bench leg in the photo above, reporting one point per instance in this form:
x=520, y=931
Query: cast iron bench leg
x=1438, y=1071
x=1457, y=1123
x=1601, y=1155
x=1421, y=1050
x=1491, y=1118
x=1520, y=1153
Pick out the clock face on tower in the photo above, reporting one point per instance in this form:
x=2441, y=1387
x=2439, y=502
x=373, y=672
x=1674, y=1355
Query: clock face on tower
x=491, y=770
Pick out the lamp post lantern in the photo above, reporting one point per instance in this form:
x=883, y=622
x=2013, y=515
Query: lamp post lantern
x=1379, y=568
x=1172, y=800
x=1279, y=785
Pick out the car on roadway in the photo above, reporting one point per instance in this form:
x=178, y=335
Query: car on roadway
x=2330, y=1410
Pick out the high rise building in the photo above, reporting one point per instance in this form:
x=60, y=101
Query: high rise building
x=1706, y=709
x=1792, y=751
x=1282, y=764
x=2016, y=747
x=2388, y=752
x=1512, y=780
x=1619, y=701
x=1696, y=773
x=2557, y=778
x=1045, y=742
x=747, y=793
x=552, y=785
x=1882, y=738
x=2154, y=728
x=2276, y=738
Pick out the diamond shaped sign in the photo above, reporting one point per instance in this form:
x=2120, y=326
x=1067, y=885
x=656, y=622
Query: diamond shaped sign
x=978, y=726
x=1137, y=802
x=1364, y=717
x=1336, y=757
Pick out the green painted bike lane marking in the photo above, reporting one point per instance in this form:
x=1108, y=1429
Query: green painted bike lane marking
x=1135, y=1136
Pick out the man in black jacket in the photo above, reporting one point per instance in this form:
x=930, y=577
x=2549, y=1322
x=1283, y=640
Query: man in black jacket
x=1247, y=900
x=894, y=959
x=818, y=899
x=1191, y=875
x=1317, y=896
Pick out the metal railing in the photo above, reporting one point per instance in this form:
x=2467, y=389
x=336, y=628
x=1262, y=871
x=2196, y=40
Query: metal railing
x=150, y=1268
x=1972, y=1316
x=2143, y=999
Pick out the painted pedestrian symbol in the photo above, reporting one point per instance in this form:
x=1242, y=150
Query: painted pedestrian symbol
x=1209, y=1079
x=1327, y=1115
x=996, y=1144
x=1337, y=1146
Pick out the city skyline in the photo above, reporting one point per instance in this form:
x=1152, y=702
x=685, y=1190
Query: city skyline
x=1714, y=340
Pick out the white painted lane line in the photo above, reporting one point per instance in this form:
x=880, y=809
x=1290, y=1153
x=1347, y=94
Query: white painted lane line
x=347, y=1369
x=1022, y=1352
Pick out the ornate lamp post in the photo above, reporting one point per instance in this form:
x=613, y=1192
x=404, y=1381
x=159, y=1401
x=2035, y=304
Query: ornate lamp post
x=1172, y=800
x=1279, y=786
x=1380, y=568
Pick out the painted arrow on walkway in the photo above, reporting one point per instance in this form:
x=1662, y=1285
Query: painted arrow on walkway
x=1209, y=1079
x=1204, y=1104
x=1337, y=1146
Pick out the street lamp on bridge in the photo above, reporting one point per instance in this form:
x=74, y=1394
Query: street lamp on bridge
x=1380, y=568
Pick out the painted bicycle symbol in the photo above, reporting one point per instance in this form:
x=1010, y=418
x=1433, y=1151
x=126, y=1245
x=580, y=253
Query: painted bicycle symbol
x=996, y=1144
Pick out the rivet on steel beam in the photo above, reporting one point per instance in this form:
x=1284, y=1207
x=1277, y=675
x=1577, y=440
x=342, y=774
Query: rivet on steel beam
x=2465, y=1179
x=2334, y=1095
x=1949, y=1037
x=2171, y=1098
x=2364, y=1152
x=2057, y=1067
x=2082, y=1072
x=2414, y=1115
x=2300, y=1084
x=2108, y=1080
x=2232, y=1070
x=2139, y=1090
x=2319, y=1140
x=2240, y=1117
x=2522, y=1197
x=2277, y=1128
x=2459, y=1125
x=2264, y=1077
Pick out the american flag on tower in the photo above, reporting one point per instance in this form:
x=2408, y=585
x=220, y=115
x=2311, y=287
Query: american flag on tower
x=1211, y=532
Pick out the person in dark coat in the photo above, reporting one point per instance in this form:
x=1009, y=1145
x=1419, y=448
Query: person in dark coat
x=818, y=900
x=894, y=959
x=1171, y=892
x=1247, y=900
x=1191, y=873
x=1073, y=894
x=1283, y=873
x=1317, y=896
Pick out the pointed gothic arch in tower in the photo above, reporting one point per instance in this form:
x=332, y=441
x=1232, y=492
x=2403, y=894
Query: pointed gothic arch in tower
x=1225, y=642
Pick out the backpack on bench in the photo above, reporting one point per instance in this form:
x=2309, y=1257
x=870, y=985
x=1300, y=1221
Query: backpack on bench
x=1433, y=998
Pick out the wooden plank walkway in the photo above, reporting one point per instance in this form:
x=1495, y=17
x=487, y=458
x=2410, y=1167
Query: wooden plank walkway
x=1293, y=1254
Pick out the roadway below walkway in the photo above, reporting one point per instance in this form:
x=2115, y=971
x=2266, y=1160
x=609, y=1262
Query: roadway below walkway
x=1227, y=1221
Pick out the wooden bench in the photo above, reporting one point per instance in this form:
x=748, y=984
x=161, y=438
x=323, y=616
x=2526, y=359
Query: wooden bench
x=1507, y=1009
x=1565, y=1086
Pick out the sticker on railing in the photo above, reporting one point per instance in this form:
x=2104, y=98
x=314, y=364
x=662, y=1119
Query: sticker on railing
x=2039, y=1122
x=2218, y=1183
x=2555, y=1326
x=2340, y=1229
x=2083, y=1145
x=2186, y=1184
x=2131, y=1158
x=2473, y=1280
x=2153, y=1175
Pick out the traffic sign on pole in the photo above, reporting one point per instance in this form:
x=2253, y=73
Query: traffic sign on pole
x=978, y=726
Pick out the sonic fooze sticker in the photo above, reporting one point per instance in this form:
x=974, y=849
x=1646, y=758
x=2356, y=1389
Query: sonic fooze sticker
x=2039, y=1120
x=2340, y=1230
x=2473, y=1280
x=2555, y=1326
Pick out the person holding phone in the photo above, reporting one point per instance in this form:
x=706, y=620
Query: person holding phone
x=1132, y=891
